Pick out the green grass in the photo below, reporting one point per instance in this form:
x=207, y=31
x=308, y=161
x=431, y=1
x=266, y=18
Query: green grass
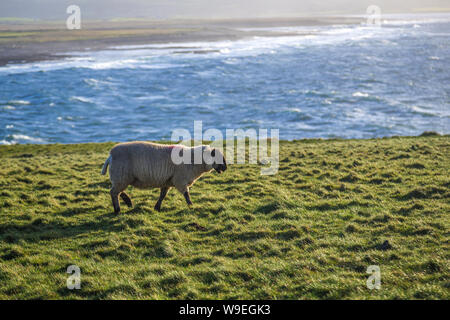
x=309, y=232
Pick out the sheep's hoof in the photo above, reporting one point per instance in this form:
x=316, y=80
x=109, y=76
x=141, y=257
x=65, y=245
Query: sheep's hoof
x=117, y=211
x=158, y=208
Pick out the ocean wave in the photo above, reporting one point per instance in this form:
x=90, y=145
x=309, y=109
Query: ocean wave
x=137, y=56
x=143, y=56
x=360, y=94
x=95, y=83
x=425, y=112
x=402, y=19
x=414, y=21
x=18, y=102
x=20, y=138
x=82, y=99
x=97, y=62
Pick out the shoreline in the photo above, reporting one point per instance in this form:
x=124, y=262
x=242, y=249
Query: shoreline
x=31, y=42
x=426, y=134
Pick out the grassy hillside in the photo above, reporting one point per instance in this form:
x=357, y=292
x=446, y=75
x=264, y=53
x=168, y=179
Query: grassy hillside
x=309, y=232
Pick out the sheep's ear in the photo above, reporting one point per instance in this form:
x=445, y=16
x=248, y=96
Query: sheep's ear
x=213, y=153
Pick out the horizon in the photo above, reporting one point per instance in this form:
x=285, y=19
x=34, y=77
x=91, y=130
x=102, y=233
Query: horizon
x=118, y=19
x=51, y=10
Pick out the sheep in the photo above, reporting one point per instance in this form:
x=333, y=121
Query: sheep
x=147, y=165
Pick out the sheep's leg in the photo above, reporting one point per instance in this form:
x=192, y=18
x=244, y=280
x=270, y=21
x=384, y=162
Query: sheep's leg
x=126, y=199
x=187, y=196
x=162, y=195
x=184, y=190
x=115, y=199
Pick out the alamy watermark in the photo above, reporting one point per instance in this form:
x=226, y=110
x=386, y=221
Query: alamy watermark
x=374, y=280
x=73, y=22
x=373, y=15
x=74, y=281
x=257, y=146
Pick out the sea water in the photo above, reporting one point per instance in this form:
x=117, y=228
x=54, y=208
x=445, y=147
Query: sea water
x=341, y=81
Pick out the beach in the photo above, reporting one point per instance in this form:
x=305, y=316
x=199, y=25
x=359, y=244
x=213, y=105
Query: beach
x=40, y=41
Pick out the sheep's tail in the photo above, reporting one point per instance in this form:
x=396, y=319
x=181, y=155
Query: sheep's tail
x=105, y=166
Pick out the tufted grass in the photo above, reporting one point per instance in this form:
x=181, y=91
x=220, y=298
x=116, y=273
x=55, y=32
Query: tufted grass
x=309, y=232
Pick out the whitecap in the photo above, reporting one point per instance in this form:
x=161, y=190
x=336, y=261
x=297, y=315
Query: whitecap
x=422, y=111
x=150, y=98
x=17, y=138
x=28, y=138
x=161, y=66
x=19, y=102
x=360, y=94
x=81, y=99
x=91, y=82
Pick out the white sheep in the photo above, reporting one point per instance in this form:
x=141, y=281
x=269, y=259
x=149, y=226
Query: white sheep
x=147, y=165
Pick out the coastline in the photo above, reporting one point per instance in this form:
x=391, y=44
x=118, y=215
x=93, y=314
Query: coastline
x=260, y=77
x=55, y=145
x=32, y=42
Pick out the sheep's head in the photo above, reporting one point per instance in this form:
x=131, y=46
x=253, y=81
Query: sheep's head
x=218, y=161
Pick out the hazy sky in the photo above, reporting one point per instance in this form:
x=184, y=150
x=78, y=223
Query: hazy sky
x=106, y=9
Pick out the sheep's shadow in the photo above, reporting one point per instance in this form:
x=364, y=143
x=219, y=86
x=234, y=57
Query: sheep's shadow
x=136, y=209
x=104, y=184
x=45, y=229
x=77, y=211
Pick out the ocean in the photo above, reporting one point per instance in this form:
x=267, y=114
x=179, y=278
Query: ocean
x=340, y=81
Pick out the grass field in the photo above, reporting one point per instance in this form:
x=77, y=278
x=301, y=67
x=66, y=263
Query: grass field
x=309, y=232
